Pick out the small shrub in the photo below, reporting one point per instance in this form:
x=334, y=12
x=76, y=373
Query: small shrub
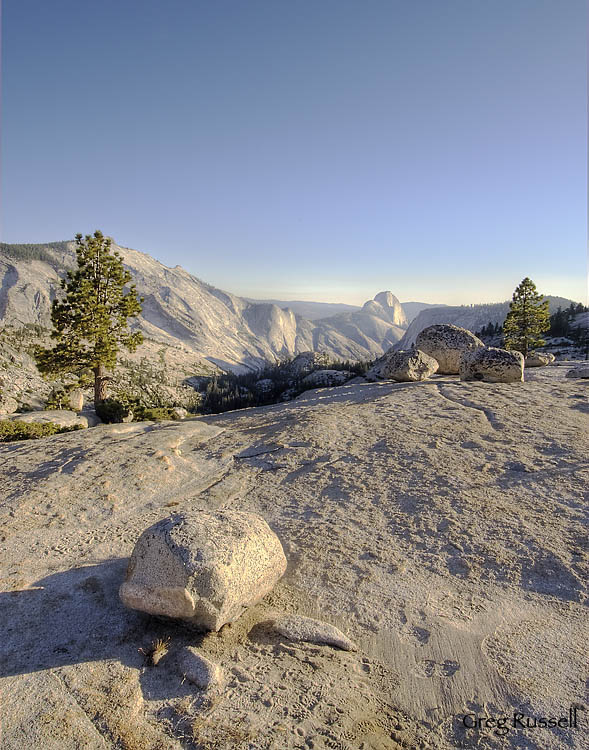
x=144, y=414
x=111, y=410
x=10, y=431
x=58, y=399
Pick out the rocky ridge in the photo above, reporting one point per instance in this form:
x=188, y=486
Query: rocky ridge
x=183, y=311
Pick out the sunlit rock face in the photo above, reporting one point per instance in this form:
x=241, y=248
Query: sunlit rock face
x=392, y=307
x=180, y=310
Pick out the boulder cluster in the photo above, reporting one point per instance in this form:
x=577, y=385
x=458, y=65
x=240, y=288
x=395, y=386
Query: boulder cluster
x=449, y=350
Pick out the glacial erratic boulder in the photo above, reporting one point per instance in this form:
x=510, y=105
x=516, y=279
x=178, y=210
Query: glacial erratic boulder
x=539, y=359
x=306, y=362
x=446, y=343
x=404, y=366
x=203, y=567
x=326, y=378
x=492, y=365
x=76, y=399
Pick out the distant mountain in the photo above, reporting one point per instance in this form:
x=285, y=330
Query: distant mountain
x=309, y=310
x=472, y=317
x=182, y=311
x=320, y=310
x=379, y=324
x=185, y=313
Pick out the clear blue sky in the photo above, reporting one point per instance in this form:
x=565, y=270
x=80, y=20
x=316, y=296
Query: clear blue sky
x=310, y=149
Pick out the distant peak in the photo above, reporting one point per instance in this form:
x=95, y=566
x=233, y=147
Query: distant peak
x=386, y=299
x=386, y=305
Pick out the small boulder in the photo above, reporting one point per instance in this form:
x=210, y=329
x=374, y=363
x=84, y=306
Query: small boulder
x=299, y=628
x=179, y=412
x=445, y=343
x=492, y=365
x=578, y=372
x=8, y=405
x=306, y=362
x=76, y=399
x=539, y=359
x=404, y=366
x=326, y=378
x=198, y=669
x=203, y=567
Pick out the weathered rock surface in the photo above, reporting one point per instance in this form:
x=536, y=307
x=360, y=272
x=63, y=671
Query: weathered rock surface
x=579, y=372
x=492, y=365
x=203, y=568
x=327, y=378
x=201, y=671
x=299, y=628
x=446, y=343
x=61, y=417
x=407, y=366
x=438, y=525
x=539, y=359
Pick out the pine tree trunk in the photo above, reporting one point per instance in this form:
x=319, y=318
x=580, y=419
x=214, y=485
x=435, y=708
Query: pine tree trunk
x=100, y=384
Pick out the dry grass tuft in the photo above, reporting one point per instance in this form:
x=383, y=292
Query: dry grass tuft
x=156, y=652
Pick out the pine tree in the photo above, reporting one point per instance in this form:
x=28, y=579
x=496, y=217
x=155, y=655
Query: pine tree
x=90, y=323
x=527, y=319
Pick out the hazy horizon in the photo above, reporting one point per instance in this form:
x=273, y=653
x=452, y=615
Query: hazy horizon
x=305, y=296
x=310, y=151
